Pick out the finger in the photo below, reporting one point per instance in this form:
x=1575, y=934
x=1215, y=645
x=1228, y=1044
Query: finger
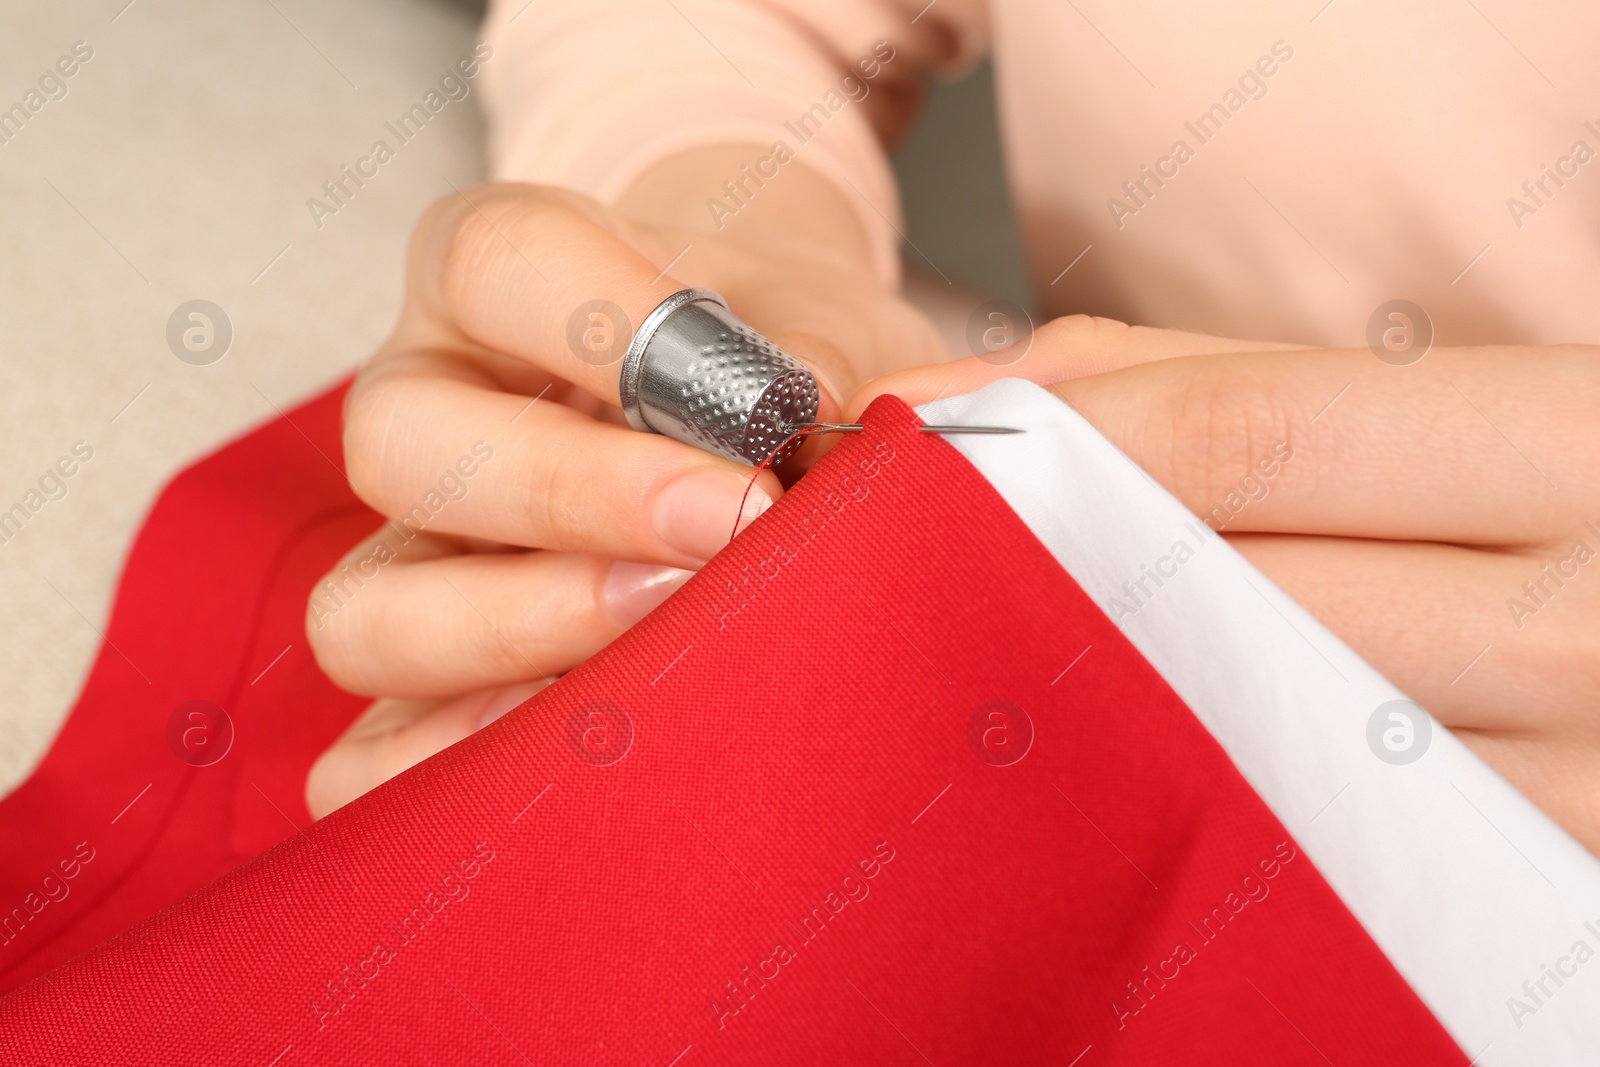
x=532, y=272
x=1516, y=682
x=1472, y=445
x=511, y=268
x=394, y=735
x=419, y=626
x=1443, y=605
x=1070, y=347
x=846, y=327
x=451, y=457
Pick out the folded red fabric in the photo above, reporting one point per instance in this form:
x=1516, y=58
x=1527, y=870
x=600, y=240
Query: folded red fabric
x=833, y=802
x=127, y=812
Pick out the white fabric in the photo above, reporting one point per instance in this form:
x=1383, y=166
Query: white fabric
x=1467, y=887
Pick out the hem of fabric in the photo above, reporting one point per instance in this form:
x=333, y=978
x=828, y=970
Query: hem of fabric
x=1464, y=883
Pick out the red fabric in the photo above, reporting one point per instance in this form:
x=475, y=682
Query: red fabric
x=818, y=843
x=213, y=590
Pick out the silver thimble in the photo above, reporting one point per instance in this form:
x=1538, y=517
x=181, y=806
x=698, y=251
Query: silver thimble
x=697, y=374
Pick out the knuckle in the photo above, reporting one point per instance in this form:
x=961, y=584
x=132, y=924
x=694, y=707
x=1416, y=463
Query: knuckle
x=483, y=236
x=374, y=405
x=1074, y=331
x=334, y=637
x=1222, y=420
x=587, y=495
x=561, y=495
x=467, y=251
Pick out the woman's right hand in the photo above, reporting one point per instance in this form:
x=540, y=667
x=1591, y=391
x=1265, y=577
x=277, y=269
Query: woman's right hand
x=529, y=526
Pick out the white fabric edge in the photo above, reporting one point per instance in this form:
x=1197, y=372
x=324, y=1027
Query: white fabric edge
x=1466, y=886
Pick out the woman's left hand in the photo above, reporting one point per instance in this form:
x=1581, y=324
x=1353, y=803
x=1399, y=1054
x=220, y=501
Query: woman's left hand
x=1443, y=518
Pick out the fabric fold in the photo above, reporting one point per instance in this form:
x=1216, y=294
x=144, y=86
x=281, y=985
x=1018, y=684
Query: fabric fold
x=836, y=800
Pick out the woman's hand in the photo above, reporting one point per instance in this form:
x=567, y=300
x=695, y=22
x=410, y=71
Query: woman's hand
x=529, y=526
x=1442, y=518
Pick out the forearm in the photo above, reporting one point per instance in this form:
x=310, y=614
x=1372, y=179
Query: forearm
x=746, y=195
x=656, y=106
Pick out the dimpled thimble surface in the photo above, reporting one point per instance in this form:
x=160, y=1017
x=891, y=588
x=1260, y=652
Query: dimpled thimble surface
x=697, y=374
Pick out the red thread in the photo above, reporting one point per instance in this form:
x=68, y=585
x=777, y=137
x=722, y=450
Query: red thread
x=763, y=465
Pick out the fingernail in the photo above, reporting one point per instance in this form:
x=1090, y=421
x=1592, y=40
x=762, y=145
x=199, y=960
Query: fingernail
x=695, y=514
x=632, y=589
x=509, y=698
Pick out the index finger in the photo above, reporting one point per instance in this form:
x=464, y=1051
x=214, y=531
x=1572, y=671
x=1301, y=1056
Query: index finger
x=539, y=275
x=1488, y=445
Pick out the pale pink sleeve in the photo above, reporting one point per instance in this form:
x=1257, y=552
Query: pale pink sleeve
x=588, y=94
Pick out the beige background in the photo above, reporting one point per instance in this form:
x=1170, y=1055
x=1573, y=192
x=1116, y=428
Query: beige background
x=190, y=142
